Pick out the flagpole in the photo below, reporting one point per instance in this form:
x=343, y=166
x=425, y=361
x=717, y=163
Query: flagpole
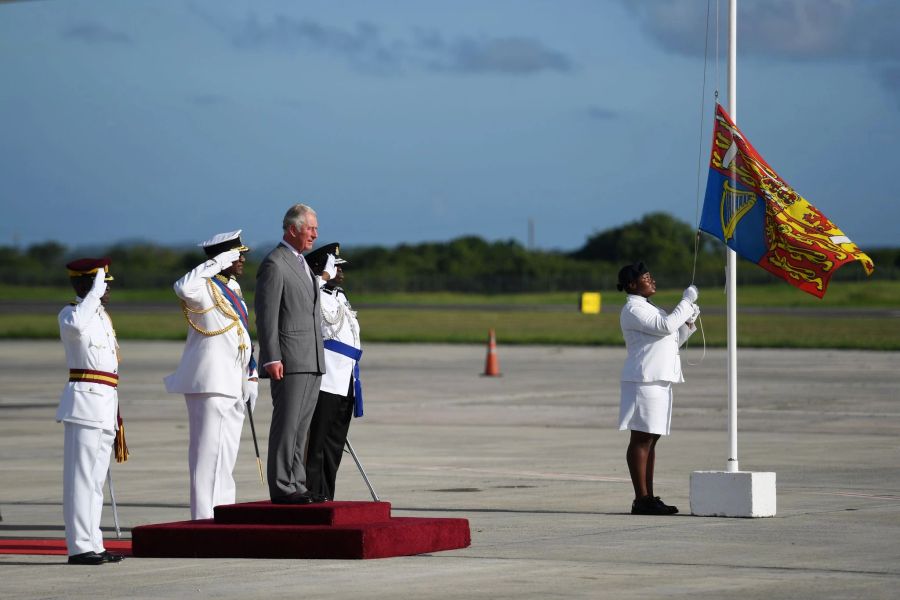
x=732, y=492
x=731, y=259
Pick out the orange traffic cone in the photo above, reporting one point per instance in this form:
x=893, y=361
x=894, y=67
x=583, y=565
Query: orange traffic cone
x=491, y=364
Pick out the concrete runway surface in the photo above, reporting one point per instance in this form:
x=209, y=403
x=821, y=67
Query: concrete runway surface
x=531, y=458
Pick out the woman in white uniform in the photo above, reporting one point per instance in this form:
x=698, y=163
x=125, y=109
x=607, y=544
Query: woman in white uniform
x=652, y=338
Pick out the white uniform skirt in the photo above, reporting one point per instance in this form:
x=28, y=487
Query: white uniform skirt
x=646, y=406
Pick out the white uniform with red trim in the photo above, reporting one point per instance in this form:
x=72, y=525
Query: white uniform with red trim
x=88, y=410
x=90, y=343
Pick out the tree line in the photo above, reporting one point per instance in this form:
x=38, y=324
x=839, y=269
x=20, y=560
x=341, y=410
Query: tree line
x=466, y=264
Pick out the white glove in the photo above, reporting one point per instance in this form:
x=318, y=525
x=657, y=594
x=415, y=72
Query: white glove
x=100, y=285
x=251, y=391
x=329, y=267
x=696, y=314
x=690, y=294
x=227, y=258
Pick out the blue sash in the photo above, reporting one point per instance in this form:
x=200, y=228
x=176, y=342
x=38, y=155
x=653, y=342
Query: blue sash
x=355, y=354
x=241, y=310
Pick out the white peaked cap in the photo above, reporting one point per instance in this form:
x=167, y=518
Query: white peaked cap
x=221, y=238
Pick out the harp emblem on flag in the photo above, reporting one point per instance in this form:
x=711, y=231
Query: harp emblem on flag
x=734, y=205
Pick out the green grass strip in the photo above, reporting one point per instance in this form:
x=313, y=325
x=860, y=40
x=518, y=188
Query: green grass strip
x=521, y=327
x=841, y=294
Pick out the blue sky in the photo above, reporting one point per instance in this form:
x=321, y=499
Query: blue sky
x=419, y=120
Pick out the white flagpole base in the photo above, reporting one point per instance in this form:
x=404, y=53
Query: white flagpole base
x=732, y=494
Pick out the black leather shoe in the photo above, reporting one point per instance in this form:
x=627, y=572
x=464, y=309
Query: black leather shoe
x=318, y=498
x=293, y=498
x=647, y=505
x=670, y=510
x=86, y=558
x=111, y=558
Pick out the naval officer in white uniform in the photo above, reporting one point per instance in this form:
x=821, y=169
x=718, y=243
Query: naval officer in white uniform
x=88, y=409
x=217, y=373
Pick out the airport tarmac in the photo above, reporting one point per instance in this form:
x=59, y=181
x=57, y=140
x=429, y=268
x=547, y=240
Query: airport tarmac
x=531, y=458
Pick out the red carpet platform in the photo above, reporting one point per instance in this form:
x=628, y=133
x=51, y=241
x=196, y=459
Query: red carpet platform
x=55, y=546
x=336, y=530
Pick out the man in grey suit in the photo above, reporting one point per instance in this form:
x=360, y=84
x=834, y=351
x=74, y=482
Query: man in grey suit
x=288, y=324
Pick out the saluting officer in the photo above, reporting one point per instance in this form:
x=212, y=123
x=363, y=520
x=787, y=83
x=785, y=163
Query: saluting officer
x=88, y=409
x=217, y=373
x=340, y=396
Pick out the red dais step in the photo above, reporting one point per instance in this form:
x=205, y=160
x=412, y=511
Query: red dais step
x=307, y=531
x=326, y=513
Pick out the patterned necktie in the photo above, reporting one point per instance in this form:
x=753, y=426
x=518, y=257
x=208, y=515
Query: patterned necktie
x=305, y=267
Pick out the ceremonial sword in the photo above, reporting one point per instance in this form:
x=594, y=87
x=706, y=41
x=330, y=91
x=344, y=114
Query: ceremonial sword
x=112, y=499
x=361, y=470
x=255, y=443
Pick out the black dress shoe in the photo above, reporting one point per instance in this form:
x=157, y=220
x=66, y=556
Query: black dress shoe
x=671, y=510
x=318, y=498
x=86, y=558
x=111, y=558
x=293, y=498
x=647, y=505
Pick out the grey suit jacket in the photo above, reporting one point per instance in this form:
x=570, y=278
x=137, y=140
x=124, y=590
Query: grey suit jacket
x=288, y=315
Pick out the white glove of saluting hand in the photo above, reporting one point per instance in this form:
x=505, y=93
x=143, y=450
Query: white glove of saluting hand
x=696, y=314
x=691, y=294
x=227, y=258
x=100, y=285
x=329, y=267
x=251, y=392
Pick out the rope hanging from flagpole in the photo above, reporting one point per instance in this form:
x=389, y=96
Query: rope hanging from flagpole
x=700, y=155
x=700, y=147
x=700, y=126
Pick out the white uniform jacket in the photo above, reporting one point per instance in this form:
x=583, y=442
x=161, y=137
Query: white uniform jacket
x=90, y=342
x=652, y=339
x=338, y=323
x=214, y=362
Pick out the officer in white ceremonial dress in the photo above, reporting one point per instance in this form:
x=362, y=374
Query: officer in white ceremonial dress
x=652, y=366
x=217, y=373
x=340, y=395
x=88, y=409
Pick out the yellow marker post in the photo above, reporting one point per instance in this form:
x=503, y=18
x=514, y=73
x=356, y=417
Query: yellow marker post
x=590, y=303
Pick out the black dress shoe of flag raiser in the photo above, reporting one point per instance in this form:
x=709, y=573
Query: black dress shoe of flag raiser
x=294, y=498
x=647, y=505
x=86, y=558
x=667, y=507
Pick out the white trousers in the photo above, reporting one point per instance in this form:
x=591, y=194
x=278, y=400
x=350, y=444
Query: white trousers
x=86, y=453
x=215, y=435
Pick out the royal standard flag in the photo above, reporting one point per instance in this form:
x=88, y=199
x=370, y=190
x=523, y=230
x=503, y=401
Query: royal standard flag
x=750, y=208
